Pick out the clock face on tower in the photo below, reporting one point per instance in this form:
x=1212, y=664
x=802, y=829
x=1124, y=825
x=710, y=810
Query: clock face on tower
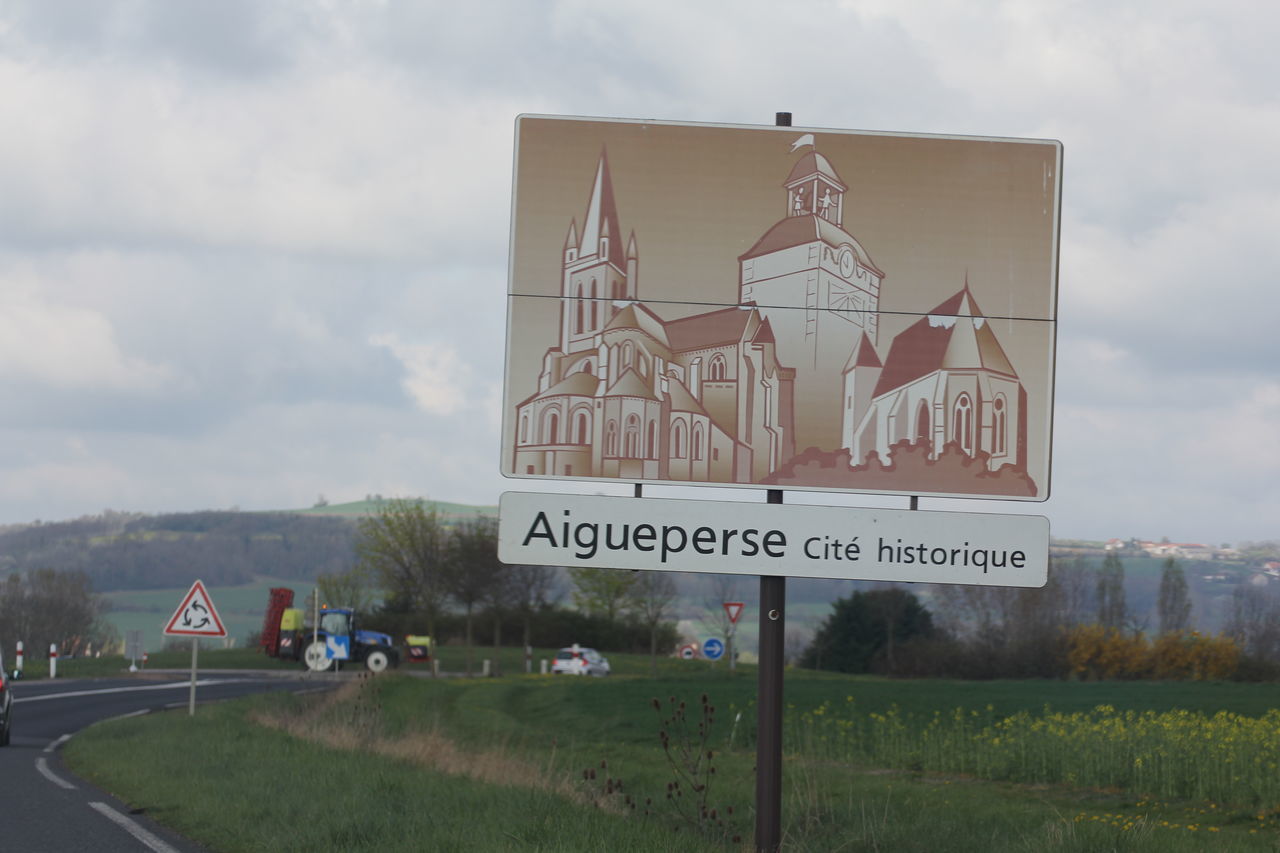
x=846, y=262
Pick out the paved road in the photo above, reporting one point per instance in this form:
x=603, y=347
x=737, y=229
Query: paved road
x=46, y=809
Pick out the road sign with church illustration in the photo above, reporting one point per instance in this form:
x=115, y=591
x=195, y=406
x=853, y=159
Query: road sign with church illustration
x=782, y=308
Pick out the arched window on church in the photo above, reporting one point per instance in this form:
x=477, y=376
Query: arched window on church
x=922, y=433
x=611, y=438
x=962, y=423
x=716, y=370
x=677, y=439
x=588, y=367
x=580, y=307
x=631, y=438
x=581, y=428
x=651, y=441
x=1000, y=425
x=595, y=322
x=628, y=354
x=553, y=428
x=698, y=441
x=524, y=429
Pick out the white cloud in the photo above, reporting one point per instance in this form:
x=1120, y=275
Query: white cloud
x=67, y=347
x=435, y=376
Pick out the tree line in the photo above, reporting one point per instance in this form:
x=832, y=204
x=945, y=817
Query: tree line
x=45, y=607
x=1078, y=625
x=447, y=578
x=126, y=551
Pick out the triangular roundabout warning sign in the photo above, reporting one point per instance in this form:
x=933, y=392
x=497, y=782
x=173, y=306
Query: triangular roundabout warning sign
x=196, y=616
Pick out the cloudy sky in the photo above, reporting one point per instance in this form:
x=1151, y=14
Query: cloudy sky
x=235, y=237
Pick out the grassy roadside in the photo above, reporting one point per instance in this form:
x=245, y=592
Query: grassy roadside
x=405, y=764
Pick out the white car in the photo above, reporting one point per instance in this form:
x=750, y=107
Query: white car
x=580, y=660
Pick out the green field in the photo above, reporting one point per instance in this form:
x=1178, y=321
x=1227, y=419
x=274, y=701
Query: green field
x=506, y=764
x=241, y=608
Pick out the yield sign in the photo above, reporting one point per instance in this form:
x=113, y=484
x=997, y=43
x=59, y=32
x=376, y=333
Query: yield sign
x=734, y=609
x=196, y=616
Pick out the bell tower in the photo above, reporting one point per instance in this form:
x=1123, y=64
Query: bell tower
x=819, y=289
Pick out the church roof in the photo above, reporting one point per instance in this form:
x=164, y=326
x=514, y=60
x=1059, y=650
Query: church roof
x=800, y=230
x=953, y=336
x=681, y=399
x=602, y=217
x=863, y=355
x=712, y=329
x=764, y=334
x=813, y=162
x=634, y=315
x=631, y=384
x=579, y=383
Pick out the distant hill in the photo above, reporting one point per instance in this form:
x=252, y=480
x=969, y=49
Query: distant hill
x=132, y=551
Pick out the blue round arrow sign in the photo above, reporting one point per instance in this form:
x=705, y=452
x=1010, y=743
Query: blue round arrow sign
x=713, y=649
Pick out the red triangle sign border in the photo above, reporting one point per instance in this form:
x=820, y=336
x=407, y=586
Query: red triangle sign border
x=734, y=610
x=218, y=629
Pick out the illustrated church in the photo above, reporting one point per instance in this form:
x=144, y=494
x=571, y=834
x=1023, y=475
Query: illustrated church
x=730, y=395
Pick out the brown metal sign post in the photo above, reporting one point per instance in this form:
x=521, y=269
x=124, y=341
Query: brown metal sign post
x=773, y=602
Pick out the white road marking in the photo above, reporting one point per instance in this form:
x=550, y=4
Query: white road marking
x=57, y=743
x=43, y=766
x=174, y=685
x=131, y=827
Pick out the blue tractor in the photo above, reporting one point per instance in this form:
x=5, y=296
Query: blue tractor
x=335, y=638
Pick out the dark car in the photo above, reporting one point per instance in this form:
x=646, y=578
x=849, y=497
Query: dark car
x=6, y=703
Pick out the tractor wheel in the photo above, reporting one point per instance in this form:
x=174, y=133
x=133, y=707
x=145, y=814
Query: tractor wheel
x=377, y=660
x=315, y=657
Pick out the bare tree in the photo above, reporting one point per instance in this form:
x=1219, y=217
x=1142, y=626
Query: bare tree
x=603, y=592
x=1018, y=630
x=1254, y=622
x=352, y=588
x=653, y=598
x=795, y=642
x=404, y=546
x=530, y=588
x=473, y=569
x=47, y=607
x=716, y=618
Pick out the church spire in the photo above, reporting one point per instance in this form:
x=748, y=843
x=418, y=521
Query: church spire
x=601, y=235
